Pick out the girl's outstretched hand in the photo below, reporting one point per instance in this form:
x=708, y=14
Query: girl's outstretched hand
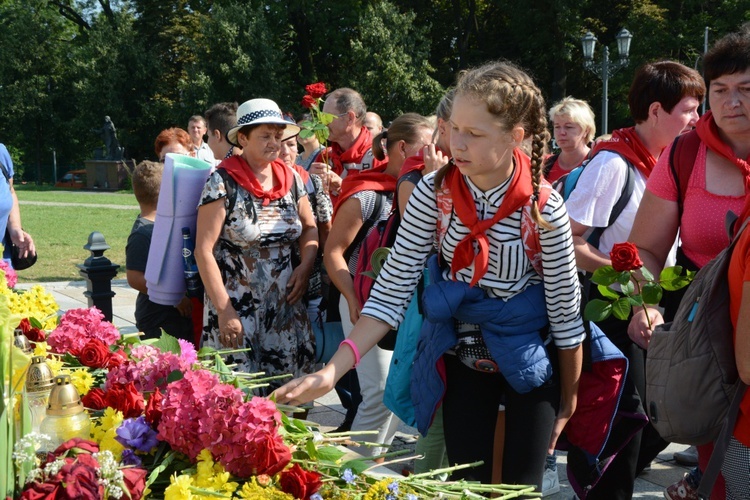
x=308, y=388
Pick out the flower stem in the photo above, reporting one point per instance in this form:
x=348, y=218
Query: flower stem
x=643, y=304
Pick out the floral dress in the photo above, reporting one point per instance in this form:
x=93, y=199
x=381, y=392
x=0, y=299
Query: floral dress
x=254, y=254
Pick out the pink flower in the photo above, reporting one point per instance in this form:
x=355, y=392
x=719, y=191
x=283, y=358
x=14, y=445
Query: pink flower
x=149, y=368
x=11, y=277
x=77, y=327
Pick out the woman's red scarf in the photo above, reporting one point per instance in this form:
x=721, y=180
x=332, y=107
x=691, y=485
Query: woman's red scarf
x=369, y=180
x=518, y=194
x=415, y=162
x=708, y=131
x=627, y=143
x=352, y=155
x=240, y=171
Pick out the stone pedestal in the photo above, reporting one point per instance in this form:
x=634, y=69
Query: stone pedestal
x=105, y=174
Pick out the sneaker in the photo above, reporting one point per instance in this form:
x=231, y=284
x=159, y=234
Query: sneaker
x=688, y=456
x=550, y=483
x=681, y=490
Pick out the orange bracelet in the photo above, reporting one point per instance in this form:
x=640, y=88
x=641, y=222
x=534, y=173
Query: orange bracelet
x=354, y=349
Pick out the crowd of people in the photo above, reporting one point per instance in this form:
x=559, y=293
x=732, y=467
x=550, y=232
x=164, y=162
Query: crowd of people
x=281, y=219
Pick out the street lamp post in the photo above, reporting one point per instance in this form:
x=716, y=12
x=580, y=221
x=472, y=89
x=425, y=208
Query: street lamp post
x=606, y=68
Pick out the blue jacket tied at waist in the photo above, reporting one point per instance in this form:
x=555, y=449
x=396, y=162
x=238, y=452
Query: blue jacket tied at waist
x=510, y=330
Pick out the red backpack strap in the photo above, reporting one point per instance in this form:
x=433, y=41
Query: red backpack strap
x=530, y=230
x=681, y=161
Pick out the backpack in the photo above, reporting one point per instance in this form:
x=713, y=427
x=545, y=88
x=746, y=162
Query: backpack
x=681, y=161
x=567, y=183
x=691, y=372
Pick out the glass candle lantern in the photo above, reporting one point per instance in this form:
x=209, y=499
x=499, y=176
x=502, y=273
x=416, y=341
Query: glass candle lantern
x=66, y=417
x=39, y=382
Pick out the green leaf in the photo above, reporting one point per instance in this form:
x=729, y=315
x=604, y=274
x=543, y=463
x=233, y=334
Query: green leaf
x=175, y=376
x=357, y=465
x=624, y=278
x=325, y=118
x=605, y=275
x=330, y=453
x=168, y=458
x=647, y=274
x=307, y=124
x=628, y=288
x=635, y=300
x=670, y=273
x=306, y=133
x=311, y=449
x=320, y=126
x=597, y=310
x=36, y=323
x=621, y=309
x=206, y=351
x=651, y=293
x=607, y=292
x=322, y=135
x=168, y=343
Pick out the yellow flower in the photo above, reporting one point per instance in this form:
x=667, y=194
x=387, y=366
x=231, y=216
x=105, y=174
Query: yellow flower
x=111, y=419
x=55, y=364
x=378, y=490
x=82, y=380
x=41, y=349
x=110, y=443
x=252, y=491
x=179, y=488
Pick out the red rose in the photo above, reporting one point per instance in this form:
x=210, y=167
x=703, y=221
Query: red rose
x=95, y=399
x=316, y=89
x=41, y=491
x=33, y=334
x=625, y=257
x=299, y=483
x=125, y=398
x=116, y=359
x=80, y=479
x=94, y=354
x=77, y=446
x=153, y=408
x=135, y=481
x=309, y=101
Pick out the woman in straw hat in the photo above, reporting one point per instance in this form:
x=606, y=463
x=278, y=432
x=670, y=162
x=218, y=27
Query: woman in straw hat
x=253, y=211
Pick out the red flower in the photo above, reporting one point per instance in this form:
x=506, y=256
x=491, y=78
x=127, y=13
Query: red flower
x=135, y=481
x=625, y=257
x=95, y=354
x=77, y=446
x=299, y=483
x=125, y=398
x=80, y=478
x=33, y=334
x=153, y=408
x=309, y=101
x=316, y=89
x=116, y=359
x=41, y=491
x=96, y=399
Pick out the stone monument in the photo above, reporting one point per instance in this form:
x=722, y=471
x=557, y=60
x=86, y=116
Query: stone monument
x=107, y=170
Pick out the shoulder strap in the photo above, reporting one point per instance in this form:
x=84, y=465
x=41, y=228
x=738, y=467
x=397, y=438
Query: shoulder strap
x=549, y=163
x=570, y=180
x=230, y=186
x=622, y=201
x=366, y=226
x=681, y=161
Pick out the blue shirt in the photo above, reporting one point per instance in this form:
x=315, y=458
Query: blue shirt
x=6, y=198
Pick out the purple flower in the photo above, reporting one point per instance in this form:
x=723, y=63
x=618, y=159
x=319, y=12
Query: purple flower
x=137, y=434
x=349, y=476
x=130, y=458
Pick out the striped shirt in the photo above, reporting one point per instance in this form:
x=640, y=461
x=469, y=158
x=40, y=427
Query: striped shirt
x=510, y=272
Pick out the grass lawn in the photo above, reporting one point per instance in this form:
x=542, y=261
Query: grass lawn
x=60, y=232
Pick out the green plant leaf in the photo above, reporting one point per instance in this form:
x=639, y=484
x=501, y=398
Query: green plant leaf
x=635, y=300
x=605, y=275
x=623, y=278
x=647, y=274
x=607, y=292
x=306, y=133
x=670, y=273
x=325, y=118
x=36, y=323
x=621, y=308
x=597, y=310
x=306, y=124
x=628, y=288
x=330, y=453
x=168, y=343
x=651, y=293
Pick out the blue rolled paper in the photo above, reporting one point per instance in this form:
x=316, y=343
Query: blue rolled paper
x=181, y=186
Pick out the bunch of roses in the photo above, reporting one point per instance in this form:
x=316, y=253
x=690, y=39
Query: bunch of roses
x=314, y=92
x=11, y=277
x=199, y=413
x=78, y=470
x=77, y=327
x=149, y=367
x=122, y=397
x=32, y=333
x=96, y=354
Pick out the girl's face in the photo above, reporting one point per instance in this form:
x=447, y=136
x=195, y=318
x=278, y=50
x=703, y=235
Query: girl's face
x=262, y=145
x=481, y=147
x=568, y=134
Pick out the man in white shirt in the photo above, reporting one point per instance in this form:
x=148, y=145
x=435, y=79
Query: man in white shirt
x=197, y=130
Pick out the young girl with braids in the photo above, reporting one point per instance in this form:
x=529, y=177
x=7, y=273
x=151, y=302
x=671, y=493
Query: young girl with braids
x=496, y=328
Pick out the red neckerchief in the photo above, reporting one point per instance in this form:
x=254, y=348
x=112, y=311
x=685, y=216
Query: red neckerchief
x=352, y=155
x=709, y=134
x=518, y=194
x=369, y=180
x=415, y=162
x=240, y=171
x=627, y=143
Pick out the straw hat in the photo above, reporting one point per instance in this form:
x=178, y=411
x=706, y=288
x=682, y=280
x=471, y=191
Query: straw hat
x=259, y=112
